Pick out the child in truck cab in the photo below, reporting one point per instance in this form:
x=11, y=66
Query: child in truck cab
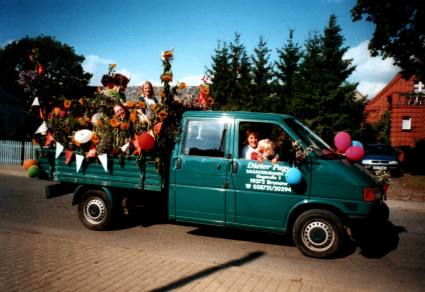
x=265, y=151
x=251, y=143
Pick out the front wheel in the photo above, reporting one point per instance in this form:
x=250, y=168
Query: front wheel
x=95, y=210
x=318, y=233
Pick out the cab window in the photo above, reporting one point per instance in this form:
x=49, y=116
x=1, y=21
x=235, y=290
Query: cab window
x=205, y=138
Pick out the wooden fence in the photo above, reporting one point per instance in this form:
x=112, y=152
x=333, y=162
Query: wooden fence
x=15, y=152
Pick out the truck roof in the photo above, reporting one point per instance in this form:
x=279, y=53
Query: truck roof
x=237, y=114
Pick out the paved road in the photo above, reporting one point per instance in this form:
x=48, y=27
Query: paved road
x=43, y=245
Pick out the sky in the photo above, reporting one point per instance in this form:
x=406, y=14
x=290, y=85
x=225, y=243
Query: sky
x=132, y=34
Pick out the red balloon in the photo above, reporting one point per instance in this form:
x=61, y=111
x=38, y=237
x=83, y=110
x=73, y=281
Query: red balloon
x=145, y=142
x=40, y=69
x=342, y=141
x=354, y=153
x=202, y=98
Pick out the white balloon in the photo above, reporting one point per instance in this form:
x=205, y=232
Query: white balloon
x=83, y=136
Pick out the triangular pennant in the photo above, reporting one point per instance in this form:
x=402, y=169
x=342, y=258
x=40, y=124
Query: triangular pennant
x=49, y=139
x=125, y=147
x=79, y=160
x=91, y=152
x=35, y=102
x=42, y=129
x=103, y=158
x=59, y=149
x=68, y=156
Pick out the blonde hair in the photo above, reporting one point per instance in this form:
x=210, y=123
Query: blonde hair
x=267, y=145
x=142, y=91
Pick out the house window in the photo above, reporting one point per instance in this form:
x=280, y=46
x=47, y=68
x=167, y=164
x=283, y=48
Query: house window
x=406, y=124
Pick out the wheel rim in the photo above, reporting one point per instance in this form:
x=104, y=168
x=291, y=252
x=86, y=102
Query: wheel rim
x=318, y=236
x=94, y=211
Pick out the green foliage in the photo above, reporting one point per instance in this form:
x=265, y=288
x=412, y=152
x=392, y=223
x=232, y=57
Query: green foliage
x=63, y=73
x=287, y=67
x=261, y=74
x=310, y=84
x=383, y=128
x=399, y=31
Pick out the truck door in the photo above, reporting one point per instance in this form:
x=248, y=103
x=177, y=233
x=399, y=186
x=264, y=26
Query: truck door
x=200, y=169
x=262, y=196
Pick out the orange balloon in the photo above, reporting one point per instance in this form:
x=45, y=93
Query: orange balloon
x=28, y=163
x=146, y=142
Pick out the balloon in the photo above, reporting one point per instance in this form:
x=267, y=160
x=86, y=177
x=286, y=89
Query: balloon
x=83, y=136
x=33, y=171
x=40, y=69
x=354, y=153
x=293, y=176
x=342, y=141
x=157, y=128
x=357, y=143
x=28, y=163
x=95, y=119
x=145, y=142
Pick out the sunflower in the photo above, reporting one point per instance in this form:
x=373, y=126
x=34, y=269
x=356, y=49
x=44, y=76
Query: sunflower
x=133, y=117
x=130, y=104
x=113, y=122
x=141, y=104
x=67, y=103
x=182, y=85
x=166, y=77
x=162, y=115
x=124, y=126
x=167, y=54
x=56, y=111
x=95, y=139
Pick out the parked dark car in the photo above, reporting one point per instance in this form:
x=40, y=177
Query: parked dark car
x=381, y=157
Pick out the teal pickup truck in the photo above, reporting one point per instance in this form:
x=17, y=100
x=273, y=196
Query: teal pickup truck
x=209, y=182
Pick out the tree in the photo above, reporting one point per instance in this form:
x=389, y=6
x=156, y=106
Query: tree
x=41, y=67
x=220, y=75
x=287, y=67
x=262, y=74
x=58, y=69
x=399, y=32
x=324, y=99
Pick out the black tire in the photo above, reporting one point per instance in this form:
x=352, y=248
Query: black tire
x=318, y=233
x=95, y=210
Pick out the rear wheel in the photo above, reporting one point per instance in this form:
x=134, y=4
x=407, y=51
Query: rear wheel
x=318, y=233
x=95, y=210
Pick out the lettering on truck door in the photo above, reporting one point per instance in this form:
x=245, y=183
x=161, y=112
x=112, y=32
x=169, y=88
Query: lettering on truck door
x=262, y=196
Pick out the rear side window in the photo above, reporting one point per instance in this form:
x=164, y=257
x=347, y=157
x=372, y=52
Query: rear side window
x=205, y=138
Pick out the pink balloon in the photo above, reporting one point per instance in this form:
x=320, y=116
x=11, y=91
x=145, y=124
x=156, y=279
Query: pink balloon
x=354, y=153
x=342, y=141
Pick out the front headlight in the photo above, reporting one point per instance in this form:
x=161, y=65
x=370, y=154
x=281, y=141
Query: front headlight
x=366, y=161
x=393, y=162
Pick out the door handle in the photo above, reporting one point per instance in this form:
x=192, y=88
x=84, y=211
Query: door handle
x=177, y=163
x=234, y=167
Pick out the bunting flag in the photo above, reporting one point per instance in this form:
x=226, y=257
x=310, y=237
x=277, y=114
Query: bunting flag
x=42, y=129
x=49, y=139
x=103, y=158
x=79, y=160
x=91, y=152
x=59, y=149
x=35, y=102
x=125, y=147
x=68, y=156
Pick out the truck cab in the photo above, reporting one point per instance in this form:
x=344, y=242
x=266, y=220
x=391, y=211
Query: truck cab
x=211, y=183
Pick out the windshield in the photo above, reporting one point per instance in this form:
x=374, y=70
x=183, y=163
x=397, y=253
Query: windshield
x=309, y=138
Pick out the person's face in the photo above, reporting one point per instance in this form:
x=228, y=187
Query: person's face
x=147, y=90
x=119, y=111
x=252, y=140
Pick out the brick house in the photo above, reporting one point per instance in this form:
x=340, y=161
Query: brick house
x=405, y=101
